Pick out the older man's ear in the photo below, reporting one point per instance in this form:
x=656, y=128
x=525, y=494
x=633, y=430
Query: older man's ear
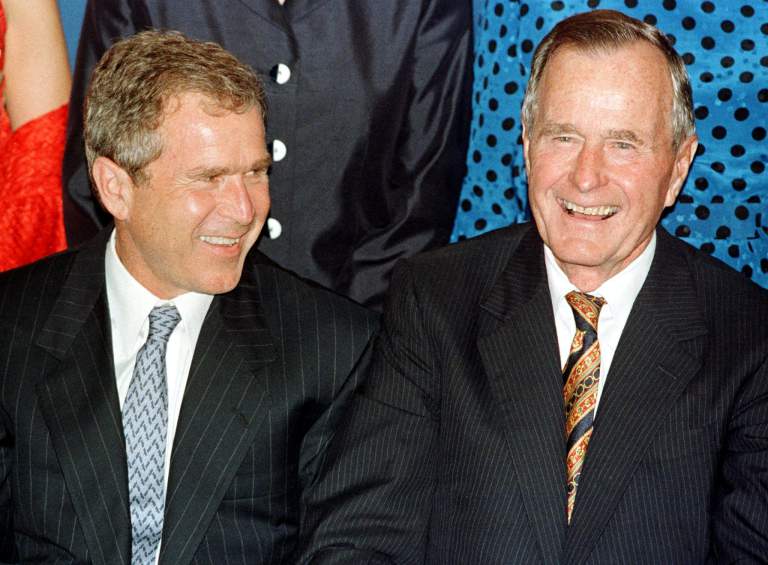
x=685, y=154
x=683, y=159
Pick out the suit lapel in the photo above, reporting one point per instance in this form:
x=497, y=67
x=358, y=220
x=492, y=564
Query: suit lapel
x=81, y=409
x=224, y=405
x=657, y=356
x=518, y=345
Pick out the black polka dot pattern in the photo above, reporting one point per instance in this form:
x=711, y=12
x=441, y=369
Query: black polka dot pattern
x=723, y=208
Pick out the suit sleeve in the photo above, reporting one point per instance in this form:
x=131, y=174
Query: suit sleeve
x=740, y=518
x=318, y=437
x=104, y=22
x=422, y=182
x=371, y=501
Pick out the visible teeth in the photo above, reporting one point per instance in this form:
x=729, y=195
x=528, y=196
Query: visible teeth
x=591, y=210
x=218, y=240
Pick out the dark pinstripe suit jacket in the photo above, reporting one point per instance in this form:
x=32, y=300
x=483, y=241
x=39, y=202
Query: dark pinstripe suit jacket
x=271, y=356
x=453, y=451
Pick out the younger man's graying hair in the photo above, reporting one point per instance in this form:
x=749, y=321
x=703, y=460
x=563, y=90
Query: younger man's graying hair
x=137, y=78
x=602, y=31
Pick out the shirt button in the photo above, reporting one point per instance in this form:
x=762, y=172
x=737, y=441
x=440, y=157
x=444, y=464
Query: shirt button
x=274, y=228
x=281, y=73
x=278, y=150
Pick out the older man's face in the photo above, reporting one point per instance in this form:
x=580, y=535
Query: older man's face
x=600, y=161
x=190, y=227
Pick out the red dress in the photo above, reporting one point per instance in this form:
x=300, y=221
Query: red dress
x=31, y=215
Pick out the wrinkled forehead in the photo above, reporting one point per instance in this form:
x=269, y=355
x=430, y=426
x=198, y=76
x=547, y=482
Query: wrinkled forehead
x=636, y=70
x=628, y=59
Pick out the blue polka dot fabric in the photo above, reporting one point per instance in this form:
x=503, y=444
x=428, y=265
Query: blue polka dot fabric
x=723, y=208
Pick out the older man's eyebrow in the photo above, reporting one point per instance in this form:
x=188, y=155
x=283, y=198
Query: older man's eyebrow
x=553, y=128
x=624, y=135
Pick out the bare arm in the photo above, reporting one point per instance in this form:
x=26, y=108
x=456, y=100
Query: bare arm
x=36, y=67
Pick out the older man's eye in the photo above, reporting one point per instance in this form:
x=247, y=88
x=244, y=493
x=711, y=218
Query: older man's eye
x=623, y=145
x=563, y=139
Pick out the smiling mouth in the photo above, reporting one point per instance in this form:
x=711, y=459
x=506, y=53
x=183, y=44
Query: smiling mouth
x=602, y=212
x=220, y=240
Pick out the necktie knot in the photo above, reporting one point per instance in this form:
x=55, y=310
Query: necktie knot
x=586, y=309
x=162, y=321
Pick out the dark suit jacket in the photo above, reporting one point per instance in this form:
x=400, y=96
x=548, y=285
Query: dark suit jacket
x=454, y=450
x=375, y=119
x=271, y=356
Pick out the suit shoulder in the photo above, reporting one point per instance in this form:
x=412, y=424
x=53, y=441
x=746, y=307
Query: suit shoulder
x=731, y=303
x=33, y=287
x=713, y=275
x=286, y=293
x=469, y=264
x=478, y=252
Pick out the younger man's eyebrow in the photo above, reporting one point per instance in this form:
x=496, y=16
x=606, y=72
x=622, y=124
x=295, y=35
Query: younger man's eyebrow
x=263, y=163
x=203, y=173
x=207, y=172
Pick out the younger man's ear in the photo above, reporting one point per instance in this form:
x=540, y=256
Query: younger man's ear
x=114, y=187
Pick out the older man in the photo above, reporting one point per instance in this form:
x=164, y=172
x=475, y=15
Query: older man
x=164, y=394
x=587, y=389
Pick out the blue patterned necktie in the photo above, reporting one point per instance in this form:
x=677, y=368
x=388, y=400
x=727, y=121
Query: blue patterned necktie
x=581, y=377
x=145, y=423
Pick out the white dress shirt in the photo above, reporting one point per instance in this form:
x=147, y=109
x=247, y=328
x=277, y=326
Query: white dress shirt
x=129, y=307
x=619, y=292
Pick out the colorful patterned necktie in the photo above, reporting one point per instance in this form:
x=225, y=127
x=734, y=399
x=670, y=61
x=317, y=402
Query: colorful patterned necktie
x=145, y=423
x=581, y=376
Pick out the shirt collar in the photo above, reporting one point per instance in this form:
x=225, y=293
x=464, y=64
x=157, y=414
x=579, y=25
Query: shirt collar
x=619, y=291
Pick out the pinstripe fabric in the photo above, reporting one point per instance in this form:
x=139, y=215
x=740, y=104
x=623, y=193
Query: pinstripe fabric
x=271, y=357
x=452, y=452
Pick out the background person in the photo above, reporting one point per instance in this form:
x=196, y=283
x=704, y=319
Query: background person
x=34, y=84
